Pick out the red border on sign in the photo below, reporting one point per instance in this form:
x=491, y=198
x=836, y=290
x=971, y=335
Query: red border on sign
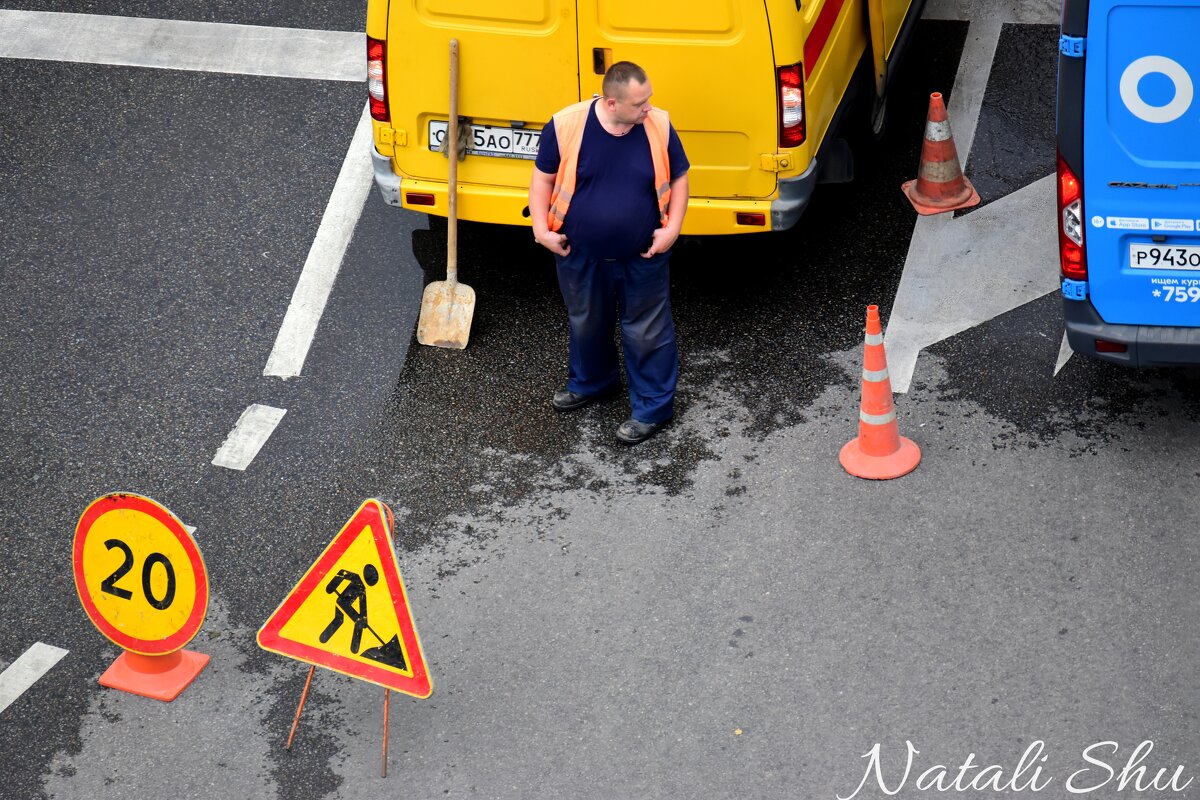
x=134, y=502
x=819, y=35
x=372, y=513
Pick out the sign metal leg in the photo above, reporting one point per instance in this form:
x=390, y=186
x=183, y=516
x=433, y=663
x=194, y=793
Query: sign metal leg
x=386, y=698
x=299, y=708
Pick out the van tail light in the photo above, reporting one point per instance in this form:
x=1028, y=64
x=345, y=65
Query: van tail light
x=1070, y=224
x=377, y=80
x=791, y=106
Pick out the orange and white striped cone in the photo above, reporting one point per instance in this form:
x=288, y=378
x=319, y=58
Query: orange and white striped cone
x=940, y=184
x=879, y=452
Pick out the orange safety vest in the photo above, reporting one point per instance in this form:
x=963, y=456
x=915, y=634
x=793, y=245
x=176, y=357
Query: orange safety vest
x=568, y=128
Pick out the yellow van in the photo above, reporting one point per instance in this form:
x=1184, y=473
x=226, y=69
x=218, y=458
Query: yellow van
x=757, y=89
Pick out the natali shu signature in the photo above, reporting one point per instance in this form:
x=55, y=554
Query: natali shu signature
x=1104, y=768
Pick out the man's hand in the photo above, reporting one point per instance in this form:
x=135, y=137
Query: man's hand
x=553, y=241
x=662, y=241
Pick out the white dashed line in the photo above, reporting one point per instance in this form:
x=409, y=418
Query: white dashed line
x=324, y=257
x=178, y=44
x=253, y=428
x=26, y=670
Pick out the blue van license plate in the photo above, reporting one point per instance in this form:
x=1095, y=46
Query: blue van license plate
x=1162, y=256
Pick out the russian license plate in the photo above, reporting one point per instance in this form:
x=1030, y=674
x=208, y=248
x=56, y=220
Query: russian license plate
x=1164, y=256
x=488, y=140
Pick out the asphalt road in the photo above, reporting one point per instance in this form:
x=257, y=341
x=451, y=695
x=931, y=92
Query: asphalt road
x=719, y=612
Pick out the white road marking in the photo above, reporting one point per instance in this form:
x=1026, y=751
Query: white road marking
x=178, y=44
x=962, y=272
x=1064, y=355
x=253, y=428
x=325, y=256
x=26, y=670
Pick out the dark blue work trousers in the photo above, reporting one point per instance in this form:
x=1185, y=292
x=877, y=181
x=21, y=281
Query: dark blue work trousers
x=636, y=291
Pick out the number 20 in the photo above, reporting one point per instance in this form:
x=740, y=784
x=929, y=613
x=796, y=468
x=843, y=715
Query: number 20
x=109, y=584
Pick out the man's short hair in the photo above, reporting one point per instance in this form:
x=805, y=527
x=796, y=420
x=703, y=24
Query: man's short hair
x=618, y=77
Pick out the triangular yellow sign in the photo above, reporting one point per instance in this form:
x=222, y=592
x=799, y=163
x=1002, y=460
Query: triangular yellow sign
x=350, y=612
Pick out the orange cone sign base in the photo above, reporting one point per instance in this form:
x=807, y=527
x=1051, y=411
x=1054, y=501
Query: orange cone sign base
x=940, y=184
x=861, y=464
x=879, y=452
x=156, y=677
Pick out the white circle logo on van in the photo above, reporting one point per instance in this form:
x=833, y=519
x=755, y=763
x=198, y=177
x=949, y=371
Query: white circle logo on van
x=1097, y=221
x=1150, y=65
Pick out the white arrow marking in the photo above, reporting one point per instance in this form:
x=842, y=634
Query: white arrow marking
x=178, y=44
x=1064, y=355
x=962, y=272
x=26, y=670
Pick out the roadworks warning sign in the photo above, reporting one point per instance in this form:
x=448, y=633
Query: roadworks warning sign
x=350, y=613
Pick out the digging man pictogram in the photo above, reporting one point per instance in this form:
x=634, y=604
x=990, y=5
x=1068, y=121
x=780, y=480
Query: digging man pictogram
x=352, y=602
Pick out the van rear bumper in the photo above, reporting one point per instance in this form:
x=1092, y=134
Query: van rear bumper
x=509, y=206
x=794, y=194
x=1146, y=345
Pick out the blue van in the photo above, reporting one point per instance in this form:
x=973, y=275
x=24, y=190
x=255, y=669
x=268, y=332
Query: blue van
x=1129, y=179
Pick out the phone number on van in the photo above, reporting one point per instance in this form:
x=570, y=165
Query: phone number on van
x=488, y=140
x=1146, y=256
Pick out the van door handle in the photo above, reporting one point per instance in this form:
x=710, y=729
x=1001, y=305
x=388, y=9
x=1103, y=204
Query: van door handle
x=601, y=59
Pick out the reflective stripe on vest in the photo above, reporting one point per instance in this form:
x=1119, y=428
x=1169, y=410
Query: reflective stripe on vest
x=568, y=128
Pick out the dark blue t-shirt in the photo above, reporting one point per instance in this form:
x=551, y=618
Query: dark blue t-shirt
x=614, y=211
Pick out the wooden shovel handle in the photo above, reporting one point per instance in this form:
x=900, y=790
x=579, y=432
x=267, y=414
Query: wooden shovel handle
x=452, y=179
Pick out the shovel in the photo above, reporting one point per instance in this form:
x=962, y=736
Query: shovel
x=447, y=306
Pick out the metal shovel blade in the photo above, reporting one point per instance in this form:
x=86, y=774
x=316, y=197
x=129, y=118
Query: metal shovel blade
x=446, y=311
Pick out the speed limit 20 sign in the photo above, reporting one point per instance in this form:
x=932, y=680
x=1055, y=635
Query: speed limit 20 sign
x=139, y=574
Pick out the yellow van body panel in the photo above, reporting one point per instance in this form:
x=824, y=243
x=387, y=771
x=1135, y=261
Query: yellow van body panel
x=705, y=215
x=712, y=65
x=377, y=20
x=699, y=56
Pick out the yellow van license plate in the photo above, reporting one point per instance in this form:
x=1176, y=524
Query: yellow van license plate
x=488, y=140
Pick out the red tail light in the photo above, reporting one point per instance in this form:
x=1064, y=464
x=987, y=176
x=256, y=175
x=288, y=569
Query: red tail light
x=377, y=80
x=1073, y=262
x=791, y=106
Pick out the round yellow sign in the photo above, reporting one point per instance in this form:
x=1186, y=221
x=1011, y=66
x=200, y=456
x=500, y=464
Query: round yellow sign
x=139, y=574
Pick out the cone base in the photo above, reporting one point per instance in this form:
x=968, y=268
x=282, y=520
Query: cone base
x=880, y=468
x=157, y=677
x=926, y=206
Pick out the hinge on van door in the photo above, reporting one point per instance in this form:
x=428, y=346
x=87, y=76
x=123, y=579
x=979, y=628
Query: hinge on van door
x=777, y=162
x=1071, y=46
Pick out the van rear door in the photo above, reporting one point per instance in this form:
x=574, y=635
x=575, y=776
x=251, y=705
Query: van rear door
x=1141, y=163
x=518, y=64
x=712, y=68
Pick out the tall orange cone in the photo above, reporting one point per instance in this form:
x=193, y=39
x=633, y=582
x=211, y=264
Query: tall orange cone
x=879, y=452
x=940, y=184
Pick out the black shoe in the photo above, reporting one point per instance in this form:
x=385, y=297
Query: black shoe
x=566, y=400
x=632, y=432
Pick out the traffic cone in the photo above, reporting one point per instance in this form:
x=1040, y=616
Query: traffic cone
x=879, y=452
x=940, y=184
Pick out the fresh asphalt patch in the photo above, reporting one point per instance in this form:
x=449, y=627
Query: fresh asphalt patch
x=155, y=223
